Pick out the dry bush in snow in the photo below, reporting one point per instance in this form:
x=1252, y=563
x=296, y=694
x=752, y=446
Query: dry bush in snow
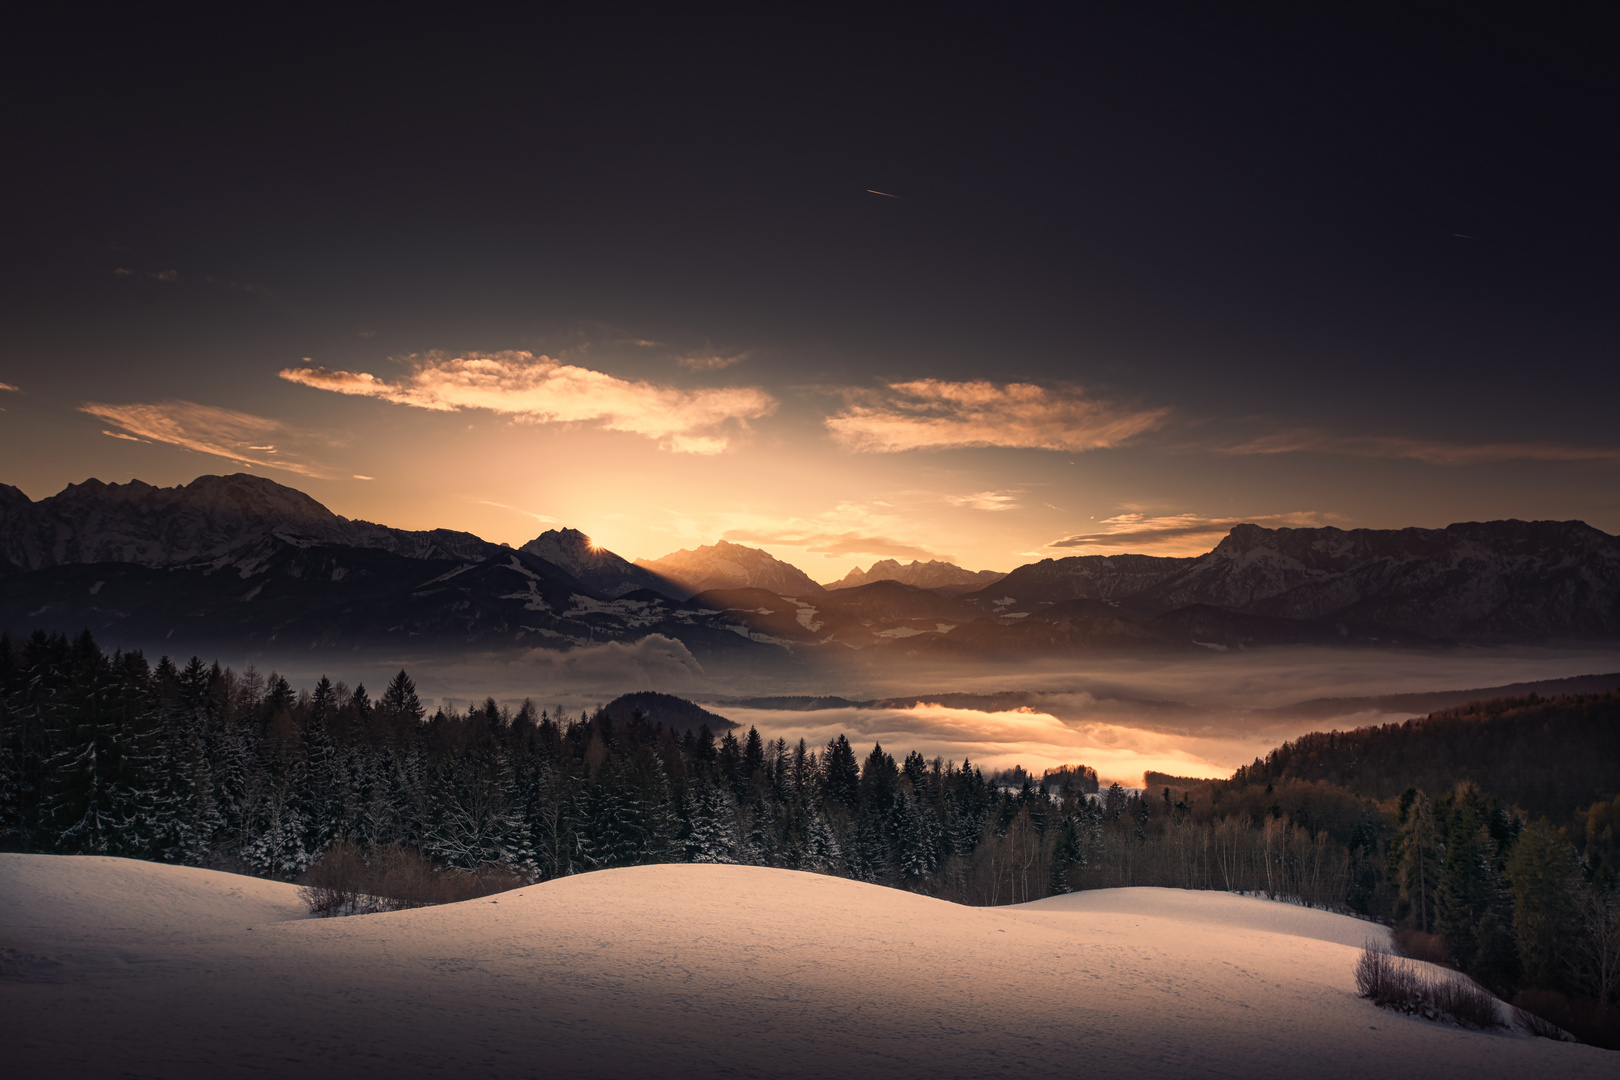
x=347, y=880
x=1392, y=983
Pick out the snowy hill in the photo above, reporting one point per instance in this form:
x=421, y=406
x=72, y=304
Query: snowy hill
x=725, y=565
x=113, y=967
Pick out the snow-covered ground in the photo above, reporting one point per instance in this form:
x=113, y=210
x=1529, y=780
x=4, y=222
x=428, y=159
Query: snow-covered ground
x=117, y=968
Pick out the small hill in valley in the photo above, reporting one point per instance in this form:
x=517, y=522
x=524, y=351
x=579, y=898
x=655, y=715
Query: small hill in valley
x=675, y=713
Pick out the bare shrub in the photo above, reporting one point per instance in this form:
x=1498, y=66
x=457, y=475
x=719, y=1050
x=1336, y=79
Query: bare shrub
x=1375, y=973
x=1464, y=1001
x=336, y=882
x=401, y=878
x=348, y=881
x=1391, y=983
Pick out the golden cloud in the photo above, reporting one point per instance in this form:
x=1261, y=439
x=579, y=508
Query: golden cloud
x=539, y=389
x=204, y=429
x=934, y=414
x=986, y=500
x=708, y=361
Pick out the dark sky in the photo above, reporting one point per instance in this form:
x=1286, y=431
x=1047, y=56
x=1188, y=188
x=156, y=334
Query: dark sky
x=1382, y=250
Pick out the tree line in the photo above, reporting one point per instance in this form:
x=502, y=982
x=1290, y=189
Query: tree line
x=200, y=765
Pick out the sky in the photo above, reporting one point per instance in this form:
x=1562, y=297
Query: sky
x=978, y=287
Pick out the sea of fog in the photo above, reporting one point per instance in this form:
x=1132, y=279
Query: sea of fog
x=1191, y=715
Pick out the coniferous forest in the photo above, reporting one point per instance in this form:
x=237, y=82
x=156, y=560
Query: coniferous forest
x=1484, y=862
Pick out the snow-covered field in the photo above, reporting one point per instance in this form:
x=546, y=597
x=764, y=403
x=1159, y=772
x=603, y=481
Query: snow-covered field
x=117, y=968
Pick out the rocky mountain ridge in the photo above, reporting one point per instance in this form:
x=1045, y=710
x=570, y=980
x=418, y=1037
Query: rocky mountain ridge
x=596, y=566
x=208, y=518
x=724, y=565
x=1484, y=581
x=925, y=575
x=241, y=558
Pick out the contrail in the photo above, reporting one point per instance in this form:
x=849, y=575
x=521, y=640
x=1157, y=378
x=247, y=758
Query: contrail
x=885, y=194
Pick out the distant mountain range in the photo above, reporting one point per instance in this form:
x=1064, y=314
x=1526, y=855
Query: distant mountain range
x=1479, y=581
x=943, y=576
x=208, y=518
x=597, y=566
x=241, y=560
x=731, y=566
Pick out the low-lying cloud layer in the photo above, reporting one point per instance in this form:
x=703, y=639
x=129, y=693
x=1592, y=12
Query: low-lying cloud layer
x=206, y=429
x=539, y=389
x=1180, y=530
x=1430, y=451
x=999, y=740
x=934, y=414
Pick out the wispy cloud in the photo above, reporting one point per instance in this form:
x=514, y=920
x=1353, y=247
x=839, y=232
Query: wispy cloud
x=8, y=388
x=1432, y=451
x=933, y=414
x=834, y=543
x=206, y=429
x=121, y=435
x=545, y=519
x=542, y=390
x=710, y=361
x=986, y=500
x=1178, y=530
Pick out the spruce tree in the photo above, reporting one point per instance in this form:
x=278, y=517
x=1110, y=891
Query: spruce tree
x=1544, y=876
x=1421, y=857
x=400, y=700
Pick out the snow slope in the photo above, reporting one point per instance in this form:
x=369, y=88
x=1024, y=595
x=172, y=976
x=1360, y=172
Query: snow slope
x=117, y=968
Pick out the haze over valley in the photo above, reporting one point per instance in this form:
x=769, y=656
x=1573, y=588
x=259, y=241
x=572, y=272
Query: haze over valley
x=925, y=541
x=1185, y=665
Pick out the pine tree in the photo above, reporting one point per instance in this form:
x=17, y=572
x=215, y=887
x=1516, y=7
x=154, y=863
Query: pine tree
x=1545, y=879
x=1471, y=908
x=98, y=798
x=841, y=777
x=912, y=840
x=273, y=844
x=821, y=849
x=399, y=701
x=711, y=834
x=1421, y=858
x=186, y=812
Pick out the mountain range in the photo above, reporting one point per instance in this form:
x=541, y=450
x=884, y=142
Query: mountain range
x=725, y=565
x=943, y=576
x=242, y=560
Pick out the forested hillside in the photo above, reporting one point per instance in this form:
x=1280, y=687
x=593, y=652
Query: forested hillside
x=1551, y=757
x=203, y=766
